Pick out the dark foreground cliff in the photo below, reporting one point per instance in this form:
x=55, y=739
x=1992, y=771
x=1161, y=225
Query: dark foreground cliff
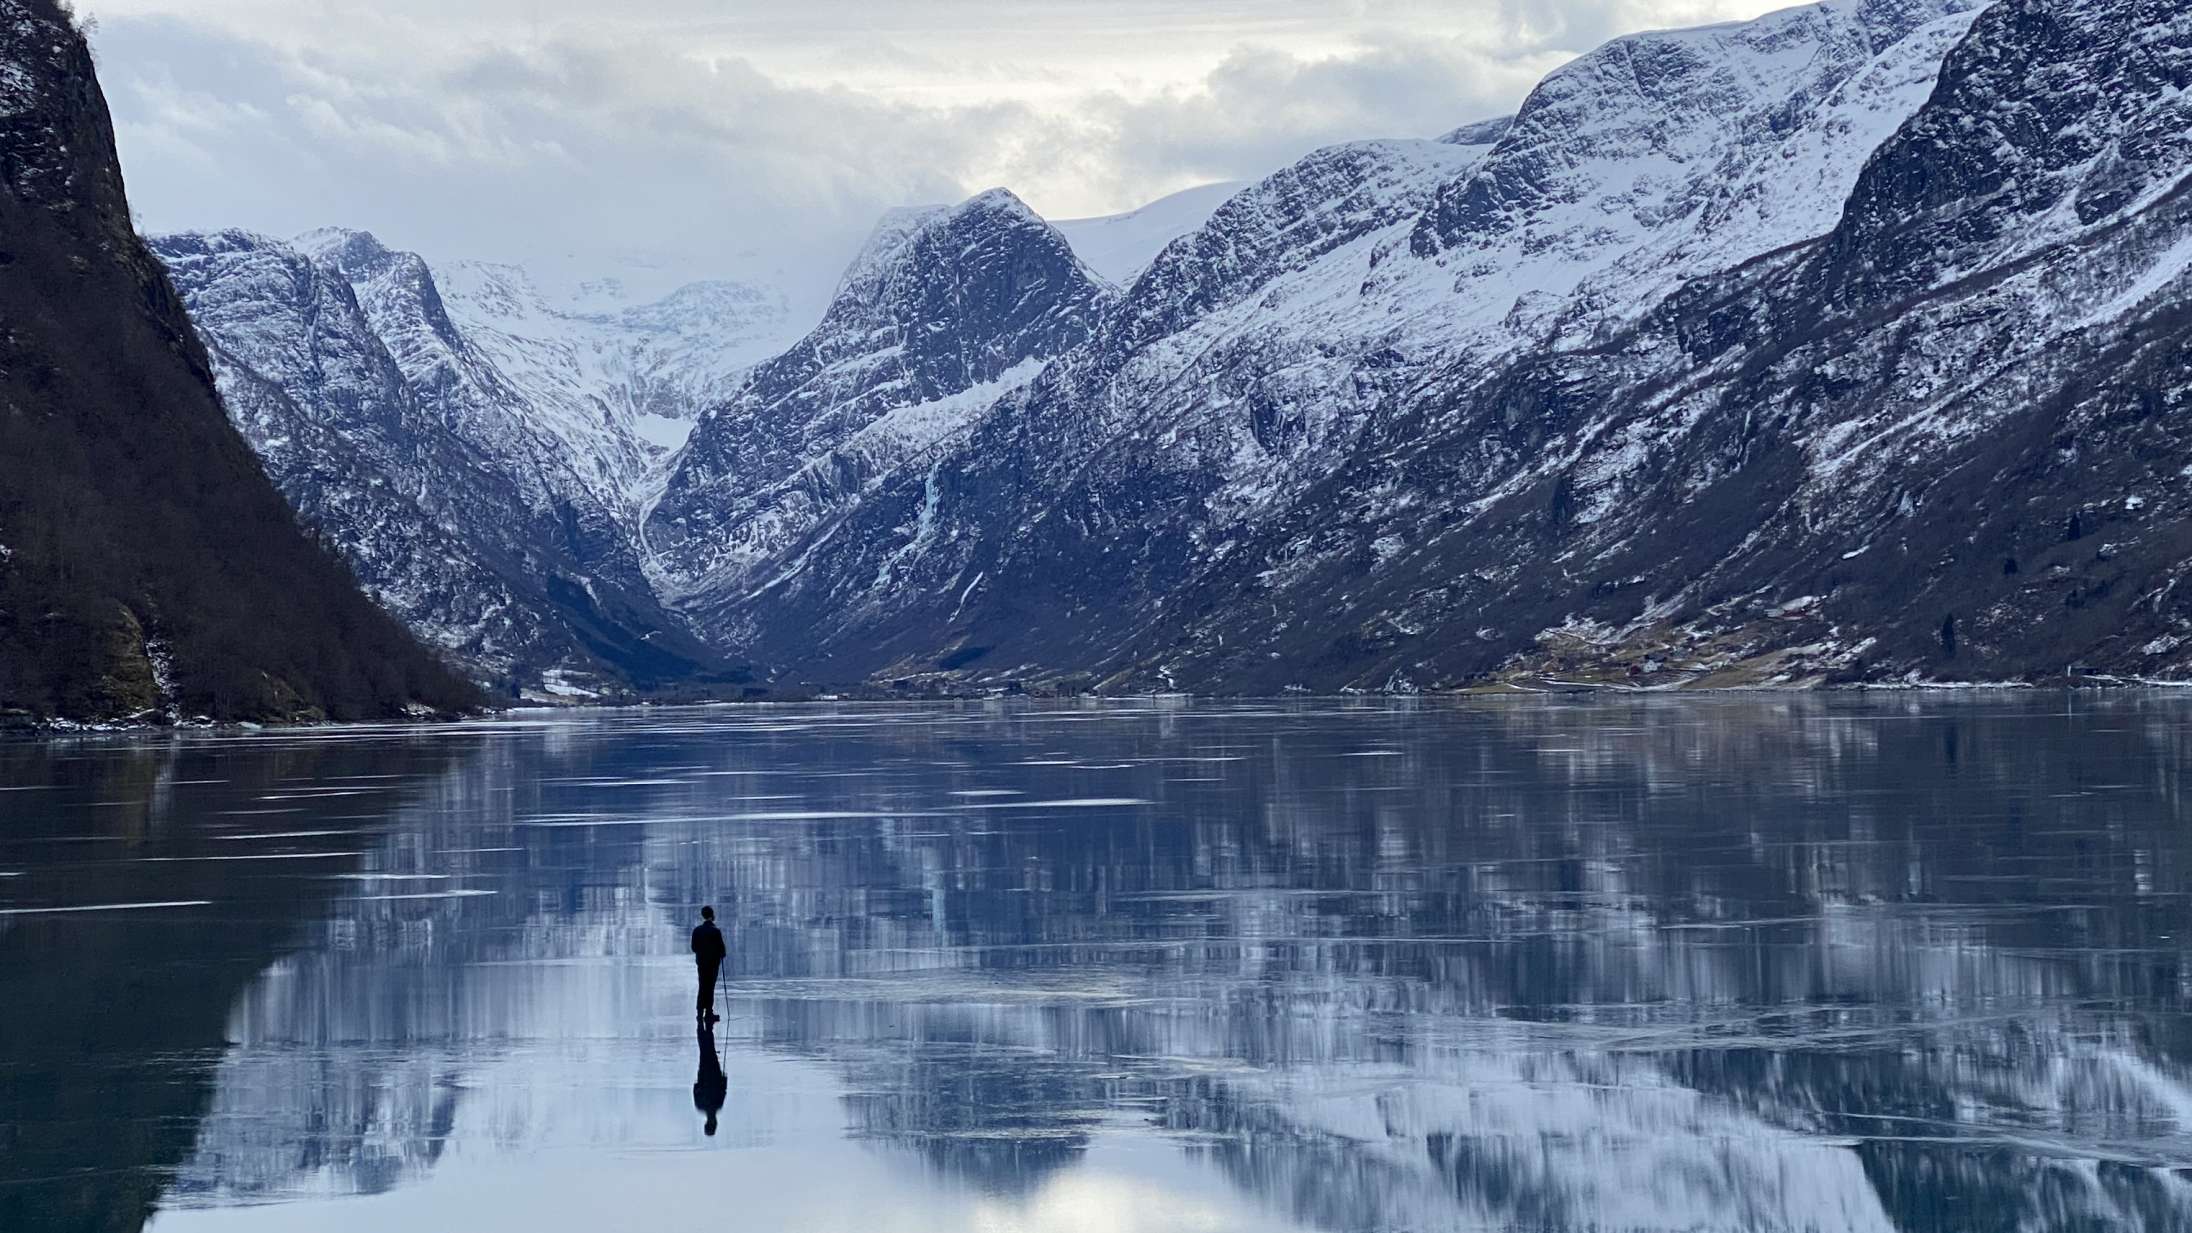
x=147, y=566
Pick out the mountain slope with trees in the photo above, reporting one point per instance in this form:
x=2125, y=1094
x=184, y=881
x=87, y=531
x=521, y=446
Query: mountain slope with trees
x=147, y=565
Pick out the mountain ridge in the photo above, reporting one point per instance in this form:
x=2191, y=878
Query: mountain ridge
x=1650, y=384
x=1249, y=363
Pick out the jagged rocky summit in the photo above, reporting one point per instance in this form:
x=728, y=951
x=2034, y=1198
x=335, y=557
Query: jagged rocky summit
x=942, y=313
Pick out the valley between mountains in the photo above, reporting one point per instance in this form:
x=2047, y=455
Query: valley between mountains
x=1849, y=344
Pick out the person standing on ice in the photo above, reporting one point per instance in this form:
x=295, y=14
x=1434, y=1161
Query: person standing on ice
x=708, y=952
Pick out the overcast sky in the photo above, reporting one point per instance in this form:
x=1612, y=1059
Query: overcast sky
x=735, y=137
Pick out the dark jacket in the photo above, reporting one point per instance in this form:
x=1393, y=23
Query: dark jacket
x=708, y=946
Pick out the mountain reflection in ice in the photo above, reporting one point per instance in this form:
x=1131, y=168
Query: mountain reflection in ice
x=1741, y=964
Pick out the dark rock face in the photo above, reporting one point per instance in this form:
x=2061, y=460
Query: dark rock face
x=146, y=564
x=2053, y=118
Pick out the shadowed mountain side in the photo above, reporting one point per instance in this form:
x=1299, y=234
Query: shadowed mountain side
x=1845, y=344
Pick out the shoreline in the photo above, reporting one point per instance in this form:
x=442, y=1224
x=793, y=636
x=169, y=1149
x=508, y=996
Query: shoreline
x=49, y=728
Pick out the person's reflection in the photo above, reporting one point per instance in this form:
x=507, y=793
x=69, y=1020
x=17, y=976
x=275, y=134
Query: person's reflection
x=709, y=1086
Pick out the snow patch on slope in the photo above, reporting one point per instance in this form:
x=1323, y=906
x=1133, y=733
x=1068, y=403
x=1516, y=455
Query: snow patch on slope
x=1119, y=247
x=641, y=372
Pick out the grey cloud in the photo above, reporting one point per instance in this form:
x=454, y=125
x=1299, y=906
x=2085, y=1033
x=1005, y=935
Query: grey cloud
x=1259, y=109
x=606, y=136
x=504, y=153
x=1579, y=25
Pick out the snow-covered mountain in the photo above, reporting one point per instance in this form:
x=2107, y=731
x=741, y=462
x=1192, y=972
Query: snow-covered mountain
x=335, y=423
x=643, y=372
x=482, y=444
x=1934, y=441
x=944, y=311
x=474, y=454
x=1822, y=345
x=1183, y=454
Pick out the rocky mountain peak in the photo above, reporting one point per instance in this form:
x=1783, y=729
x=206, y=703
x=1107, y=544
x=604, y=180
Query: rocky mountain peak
x=345, y=248
x=947, y=299
x=943, y=310
x=987, y=283
x=2051, y=118
x=256, y=296
x=1574, y=153
x=1480, y=133
x=399, y=291
x=1001, y=203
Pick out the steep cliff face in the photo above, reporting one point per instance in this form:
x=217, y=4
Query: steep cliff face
x=146, y=563
x=1226, y=372
x=336, y=428
x=2054, y=120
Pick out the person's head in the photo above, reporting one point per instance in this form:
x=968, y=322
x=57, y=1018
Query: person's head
x=710, y=1127
x=707, y=913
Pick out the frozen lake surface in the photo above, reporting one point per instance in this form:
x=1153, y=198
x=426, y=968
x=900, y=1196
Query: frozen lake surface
x=1716, y=963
